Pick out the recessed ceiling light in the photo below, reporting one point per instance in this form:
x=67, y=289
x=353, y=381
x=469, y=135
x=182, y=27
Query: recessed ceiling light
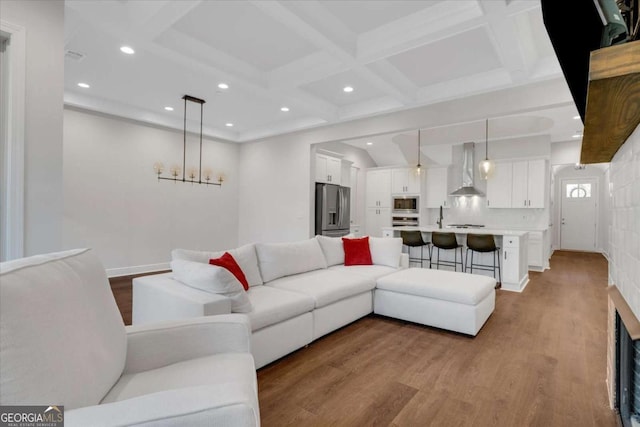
x=285, y=109
x=348, y=89
x=223, y=86
x=576, y=117
x=577, y=135
x=229, y=125
x=369, y=143
x=84, y=85
x=168, y=108
x=128, y=50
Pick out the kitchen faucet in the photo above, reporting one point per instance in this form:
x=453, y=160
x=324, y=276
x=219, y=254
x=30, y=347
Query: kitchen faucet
x=439, y=222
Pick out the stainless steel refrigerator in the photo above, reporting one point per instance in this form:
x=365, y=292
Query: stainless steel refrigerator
x=332, y=210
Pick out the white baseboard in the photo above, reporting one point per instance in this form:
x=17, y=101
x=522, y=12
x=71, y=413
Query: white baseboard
x=137, y=269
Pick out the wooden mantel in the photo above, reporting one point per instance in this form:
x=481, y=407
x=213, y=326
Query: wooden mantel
x=613, y=101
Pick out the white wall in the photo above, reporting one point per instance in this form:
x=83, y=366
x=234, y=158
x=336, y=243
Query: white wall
x=44, y=82
x=565, y=153
x=115, y=204
x=624, y=237
x=274, y=192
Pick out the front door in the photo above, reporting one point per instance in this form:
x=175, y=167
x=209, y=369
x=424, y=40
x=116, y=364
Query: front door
x=578, y=214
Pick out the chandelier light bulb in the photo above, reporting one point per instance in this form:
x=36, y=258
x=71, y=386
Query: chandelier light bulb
x=158, y=167
x=175, y=171
x=193, y=173
x=208, y=173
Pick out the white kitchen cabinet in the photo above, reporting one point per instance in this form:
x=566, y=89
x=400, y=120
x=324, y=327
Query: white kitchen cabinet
x=519, y=194
x=328, y=169
x=405, y=181
x=499, y=186
x=436, y=192
x=514, y=260
x=529, y=184
x=521, y=184
x=345, y=174
x=378, y=188
x=536, y=257
x=537, y=183
x=377, y=218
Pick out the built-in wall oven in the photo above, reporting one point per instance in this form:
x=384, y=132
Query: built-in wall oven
x=406, y=205
x=405, y=221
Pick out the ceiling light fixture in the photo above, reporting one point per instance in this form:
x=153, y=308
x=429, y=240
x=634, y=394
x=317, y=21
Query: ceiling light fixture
x=223, y=86
x=285, y=109
x=369, y=143
x=576, y=117
x=193, y=172
x=84, y=85
x=168, y=108
x=128, y=50
x=578, y=134
x=229, y=125
x=418, y=166
x=486, y=166
x=348, y=89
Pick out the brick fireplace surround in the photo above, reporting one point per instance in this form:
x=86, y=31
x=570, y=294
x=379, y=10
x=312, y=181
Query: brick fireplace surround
x=624, y=247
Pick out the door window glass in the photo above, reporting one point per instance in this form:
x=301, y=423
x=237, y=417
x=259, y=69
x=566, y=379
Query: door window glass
x=578, y=191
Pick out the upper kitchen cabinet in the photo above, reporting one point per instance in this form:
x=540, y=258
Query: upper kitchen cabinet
x=436, y=183
x=405, y=181
x=529, y=184
x=520, y=184
x=499, y=186
x=328, y=169
x=378, y=192
x=345, y=174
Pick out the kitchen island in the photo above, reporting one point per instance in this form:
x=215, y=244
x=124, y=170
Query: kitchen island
x=512, y=243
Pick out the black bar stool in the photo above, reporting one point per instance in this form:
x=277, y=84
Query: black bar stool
x=413, y=239
x=483, y=243
x=446, y=241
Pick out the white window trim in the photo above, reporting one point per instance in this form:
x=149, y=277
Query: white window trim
x=13, y=240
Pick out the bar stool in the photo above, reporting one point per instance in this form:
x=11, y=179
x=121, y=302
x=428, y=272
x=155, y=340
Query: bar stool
x=483, y=243
x=446, y=241
x=413, y=239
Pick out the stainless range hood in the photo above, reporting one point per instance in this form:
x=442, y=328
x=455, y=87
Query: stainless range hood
x=468, y=165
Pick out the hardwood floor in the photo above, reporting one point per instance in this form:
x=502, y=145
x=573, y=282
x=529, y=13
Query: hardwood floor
x=540, y=360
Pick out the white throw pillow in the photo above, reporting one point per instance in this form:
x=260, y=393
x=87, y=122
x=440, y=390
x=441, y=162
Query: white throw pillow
x=332, y=248
x=386, y=250
x=245, y=256
x=213, y=279
x=284, y=259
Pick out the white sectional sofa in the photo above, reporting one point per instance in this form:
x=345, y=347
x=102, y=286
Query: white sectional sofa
x=301, y=291
x=298, y=291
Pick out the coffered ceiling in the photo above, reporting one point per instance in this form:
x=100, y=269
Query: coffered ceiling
x=300, y=55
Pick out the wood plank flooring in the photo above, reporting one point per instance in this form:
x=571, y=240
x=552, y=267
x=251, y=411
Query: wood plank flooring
x=540, y=360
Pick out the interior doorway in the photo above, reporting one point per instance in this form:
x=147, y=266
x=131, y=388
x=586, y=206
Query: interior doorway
x=579, y=214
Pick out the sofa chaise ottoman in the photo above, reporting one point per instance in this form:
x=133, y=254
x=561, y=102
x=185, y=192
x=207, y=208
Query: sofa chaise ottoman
x=449, y=300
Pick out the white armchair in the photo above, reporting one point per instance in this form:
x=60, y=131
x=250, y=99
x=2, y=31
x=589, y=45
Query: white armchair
x=62, y=342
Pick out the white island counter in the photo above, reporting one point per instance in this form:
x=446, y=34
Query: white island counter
x=512, y=243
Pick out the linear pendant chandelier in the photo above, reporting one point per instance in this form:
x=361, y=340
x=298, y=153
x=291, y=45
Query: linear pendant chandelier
x=193, y=173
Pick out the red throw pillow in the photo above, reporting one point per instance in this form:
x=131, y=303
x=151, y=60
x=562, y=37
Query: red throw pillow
x=227, y=261
x=356, y=251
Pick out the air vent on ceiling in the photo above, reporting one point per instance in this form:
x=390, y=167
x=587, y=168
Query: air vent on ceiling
x=74, y=55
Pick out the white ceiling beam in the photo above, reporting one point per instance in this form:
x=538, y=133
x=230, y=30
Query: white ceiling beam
x=165, y=17
x=286, y=17
x=435, y=23
x=504, y=37
x=305, y=70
